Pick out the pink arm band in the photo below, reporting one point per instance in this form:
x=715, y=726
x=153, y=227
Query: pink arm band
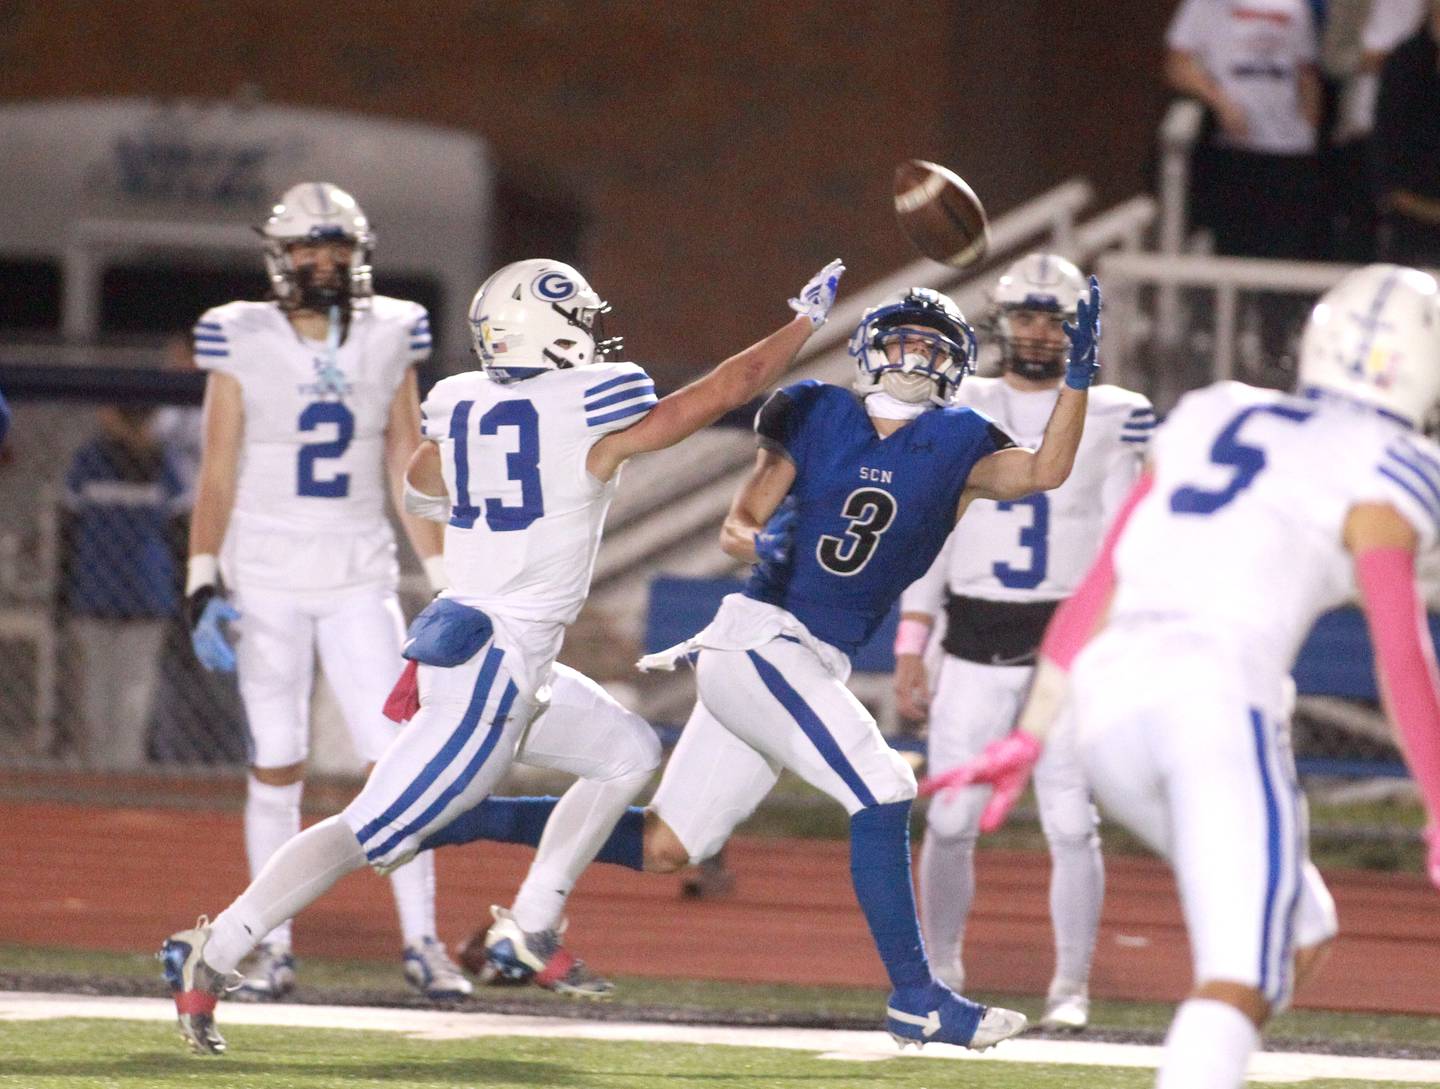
x=1405, y=662
x=1074, y=621
x=911, y=637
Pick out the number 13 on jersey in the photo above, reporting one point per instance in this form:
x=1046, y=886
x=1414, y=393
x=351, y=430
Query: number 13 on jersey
x=522, y=466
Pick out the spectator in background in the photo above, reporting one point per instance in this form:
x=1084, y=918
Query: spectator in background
x=1355, y=38
x=1407, y=145
x=1252, y=63
x=197, y=716
x=4, y=418
x=120, y=575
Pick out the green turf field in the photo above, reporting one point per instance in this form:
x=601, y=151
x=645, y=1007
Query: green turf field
x=338, y=981
x=95, y=1054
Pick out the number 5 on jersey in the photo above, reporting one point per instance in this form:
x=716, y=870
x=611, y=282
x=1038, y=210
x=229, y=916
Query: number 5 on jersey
x=522, y=465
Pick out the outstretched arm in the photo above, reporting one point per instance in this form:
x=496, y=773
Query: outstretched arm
x=1383, y=545
x=730, y=385
x=1016, y=473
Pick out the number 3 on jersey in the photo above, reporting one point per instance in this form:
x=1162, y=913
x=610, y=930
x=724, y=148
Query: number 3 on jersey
x=1035, y=537
x=870, y=511
x=522, y=466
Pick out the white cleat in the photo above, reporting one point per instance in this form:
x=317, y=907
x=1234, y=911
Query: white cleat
x=1066, y=1013
x=196, y=987
x=997, y=1024
x=429, y=969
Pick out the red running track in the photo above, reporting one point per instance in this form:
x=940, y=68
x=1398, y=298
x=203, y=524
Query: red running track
x=120, y=878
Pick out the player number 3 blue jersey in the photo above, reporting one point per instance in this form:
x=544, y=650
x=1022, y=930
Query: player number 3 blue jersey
x=871, y=513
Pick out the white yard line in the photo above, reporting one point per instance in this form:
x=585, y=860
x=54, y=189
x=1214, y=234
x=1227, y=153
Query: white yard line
x=1278, y=1067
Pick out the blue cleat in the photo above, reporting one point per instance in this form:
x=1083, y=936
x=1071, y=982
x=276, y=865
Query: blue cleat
x=936, y=1014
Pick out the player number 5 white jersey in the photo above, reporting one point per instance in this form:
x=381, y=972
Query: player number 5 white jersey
x=1242, y=528
x=525, y=514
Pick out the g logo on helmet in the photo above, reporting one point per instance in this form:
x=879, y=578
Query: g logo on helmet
x=553, y=286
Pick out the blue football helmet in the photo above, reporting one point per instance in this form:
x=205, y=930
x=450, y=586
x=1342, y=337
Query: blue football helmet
x=916, y=348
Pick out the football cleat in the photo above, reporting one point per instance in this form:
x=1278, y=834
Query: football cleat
x=429, y=969
x=1066, y=1012
x=936, y=1014
x=539, y=958
x=267, y=974
x=196, y=987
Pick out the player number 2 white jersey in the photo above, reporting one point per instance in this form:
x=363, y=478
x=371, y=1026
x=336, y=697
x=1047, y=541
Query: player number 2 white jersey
x=1241, y=531
x=1038, y=548
x=313, y=451
x=525, y=514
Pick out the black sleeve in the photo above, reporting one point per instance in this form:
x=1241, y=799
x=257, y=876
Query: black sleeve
x=998, y=438
x=772, y=422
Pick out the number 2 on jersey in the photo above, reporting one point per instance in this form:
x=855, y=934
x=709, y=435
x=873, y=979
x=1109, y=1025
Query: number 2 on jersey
x=1245, y=458
x=522, y=466
x=325, y=412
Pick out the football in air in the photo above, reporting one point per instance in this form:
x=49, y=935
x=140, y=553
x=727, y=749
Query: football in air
x=940, y=214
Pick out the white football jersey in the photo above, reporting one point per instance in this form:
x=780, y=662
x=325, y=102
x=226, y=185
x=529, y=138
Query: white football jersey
x=313, y=452
x=1241, y=531
x=1039, y=548
x=525, y=514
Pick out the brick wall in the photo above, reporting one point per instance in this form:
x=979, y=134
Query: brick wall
x=723, y=149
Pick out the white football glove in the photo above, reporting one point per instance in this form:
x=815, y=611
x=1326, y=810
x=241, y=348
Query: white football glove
x=818, y=296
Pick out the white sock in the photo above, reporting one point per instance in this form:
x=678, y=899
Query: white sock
x=579, y=825
x=294, y=878
x=272, y=817
x=947, y=887
x=1077, y=889
x=414, y=887
x=1208, y=1047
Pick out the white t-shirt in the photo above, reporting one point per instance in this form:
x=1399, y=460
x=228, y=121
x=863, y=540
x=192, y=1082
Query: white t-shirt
x=1241, y=531
x=1254, y=50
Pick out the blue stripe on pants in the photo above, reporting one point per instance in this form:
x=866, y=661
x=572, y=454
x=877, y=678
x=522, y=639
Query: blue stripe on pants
x=460, y=782
x=442, y=759
x=1272, y=848
x=812, y=727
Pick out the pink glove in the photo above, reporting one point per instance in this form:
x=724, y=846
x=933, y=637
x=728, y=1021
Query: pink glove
x=1432, y=860
x=1006, y=764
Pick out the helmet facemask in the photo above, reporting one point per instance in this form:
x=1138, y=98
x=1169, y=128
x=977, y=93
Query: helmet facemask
x=1039, y=358
x=535, y=316
x=319, y=214
x=916, y=350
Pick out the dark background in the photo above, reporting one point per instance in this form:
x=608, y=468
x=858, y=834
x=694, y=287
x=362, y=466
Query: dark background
x=711, y=153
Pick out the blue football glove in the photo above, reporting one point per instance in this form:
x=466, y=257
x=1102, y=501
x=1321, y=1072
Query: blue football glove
x=1084, y=362
x=208, y=610
x=818, y=296
x=773, y=543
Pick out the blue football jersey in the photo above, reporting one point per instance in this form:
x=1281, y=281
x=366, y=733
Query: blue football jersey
x=871, y=514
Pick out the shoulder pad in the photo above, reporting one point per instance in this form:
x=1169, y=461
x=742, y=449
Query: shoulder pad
x=615, y=395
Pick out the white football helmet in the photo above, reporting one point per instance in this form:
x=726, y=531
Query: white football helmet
x=318, y=212
x=929, y=363
x=1375, y=337
x=1038, y=281
x=538, y=315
